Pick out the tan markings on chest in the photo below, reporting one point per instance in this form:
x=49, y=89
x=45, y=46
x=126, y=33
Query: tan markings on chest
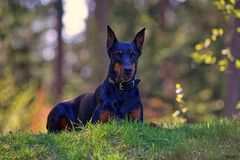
x=135, y=114
x=105, y=116
x=64, y=123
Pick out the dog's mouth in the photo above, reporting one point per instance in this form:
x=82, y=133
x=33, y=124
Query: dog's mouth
x=127, y=77
x=123, y=78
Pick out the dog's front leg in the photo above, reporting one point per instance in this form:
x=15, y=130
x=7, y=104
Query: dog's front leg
x=101, y=115
x=136, y=114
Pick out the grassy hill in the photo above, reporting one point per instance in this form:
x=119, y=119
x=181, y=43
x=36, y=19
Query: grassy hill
x=125, y=140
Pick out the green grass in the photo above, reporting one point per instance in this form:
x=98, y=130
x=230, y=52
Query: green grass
x=125, y=140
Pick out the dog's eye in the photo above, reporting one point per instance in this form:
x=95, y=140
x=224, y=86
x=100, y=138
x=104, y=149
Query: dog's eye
x=118, y=52
x=132, y=53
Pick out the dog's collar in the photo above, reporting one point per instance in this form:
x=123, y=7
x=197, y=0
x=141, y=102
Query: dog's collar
x=125, y=85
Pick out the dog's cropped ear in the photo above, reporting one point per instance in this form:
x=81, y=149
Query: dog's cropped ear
x=111, y=38
x=139, y=39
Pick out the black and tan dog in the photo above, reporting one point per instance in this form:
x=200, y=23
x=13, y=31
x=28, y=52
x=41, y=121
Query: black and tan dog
x=117, y=97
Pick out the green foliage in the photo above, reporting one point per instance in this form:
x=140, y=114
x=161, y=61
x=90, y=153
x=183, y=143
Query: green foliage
x=125, y=140
x=19, y=108
x=19, y=62
x=206, y=55
x=227, y=7
x=203, y=55
x=15, y=104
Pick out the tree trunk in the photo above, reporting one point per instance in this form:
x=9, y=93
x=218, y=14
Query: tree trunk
x=58, y=62
x=101, y=21
x=163, y=8
x=233, y=74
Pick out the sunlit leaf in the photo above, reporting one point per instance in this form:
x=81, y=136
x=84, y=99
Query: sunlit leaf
x=232, y=1
x=178, y=86
x=196, y=57
x=227, y=52
x=237, y=63
x=180, y=96
x=218, y=5
x=222, y=2
x=224, y=52
x=214, y=37
x=184, y=110
x=179, y=90
x=220, y=31
x=198, y=47
x=210, y=59
x=238, y=29
x=215, y=31
x=237, y=12
x=207, y=42
x=229, y=8
x=179, y=100
x=238, y=105
x=176, y=113
x=222, y=68
x=222, y=62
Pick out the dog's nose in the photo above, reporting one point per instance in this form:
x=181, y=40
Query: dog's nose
x=127, y=71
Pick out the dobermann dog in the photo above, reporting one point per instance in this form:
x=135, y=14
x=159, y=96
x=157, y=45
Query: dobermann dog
x=117, y=97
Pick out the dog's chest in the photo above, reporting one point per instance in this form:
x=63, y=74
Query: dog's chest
x=125, y=103
x=120, y=103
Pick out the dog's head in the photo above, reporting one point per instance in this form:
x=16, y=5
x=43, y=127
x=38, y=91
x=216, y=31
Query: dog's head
x=124, y=56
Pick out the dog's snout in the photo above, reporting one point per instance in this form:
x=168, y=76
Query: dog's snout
x=127, y=71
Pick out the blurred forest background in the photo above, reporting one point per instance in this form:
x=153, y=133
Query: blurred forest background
x=53, y=50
